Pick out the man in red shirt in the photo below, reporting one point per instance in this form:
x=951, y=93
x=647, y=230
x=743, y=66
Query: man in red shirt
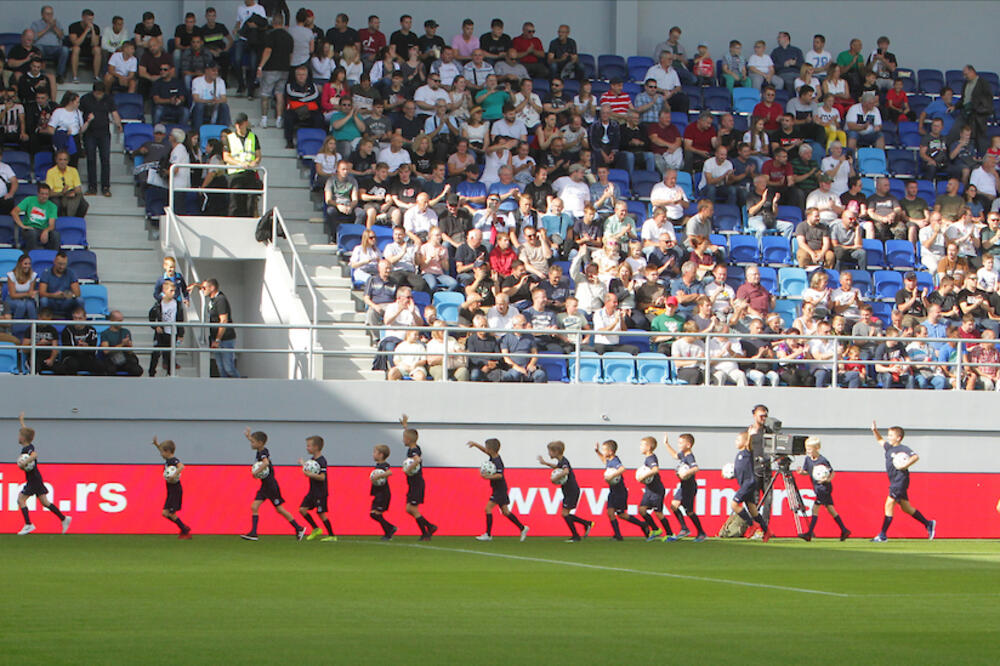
x=699, y=142
x=530, y=52
x=371, y=39
x=778, y=172
x=665, y=142
x=758, y=298
x=769, y=110
x=619, y=101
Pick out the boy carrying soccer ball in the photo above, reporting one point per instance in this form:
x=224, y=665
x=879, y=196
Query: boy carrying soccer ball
x=898, y=461
x=618, y=495
x=748, y=490
x=319, y=489
x=819, y=469
x=653, y=492
x=563, y=476
x=33, y=485
x=269, y=490
x=380, y=490
x=687, y=468
x=414, y=470
x=172, y=468
x=498, y=489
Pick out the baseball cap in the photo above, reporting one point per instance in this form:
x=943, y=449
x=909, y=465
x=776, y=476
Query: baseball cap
x=823, y=178
x=159, y=128
x=430, y=23
x=910, y=275
x=671, y=301
x=452, y=199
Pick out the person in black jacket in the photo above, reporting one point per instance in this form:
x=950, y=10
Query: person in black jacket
x=168, y=311
x=976, y=105
x=74, y=361
x=301, y=104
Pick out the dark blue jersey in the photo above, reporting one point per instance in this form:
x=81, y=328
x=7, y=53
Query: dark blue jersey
x=571, y=485
x=614, y=463
x=172, y=462
x=415, y=451
x=688, y=459
x=896, y=475
x=260, y=455
x=317, y=487
x=744, y=468
x=655, y=484
x=808, y=466
x=31, y=475
x=501, y=483
x=384, y=488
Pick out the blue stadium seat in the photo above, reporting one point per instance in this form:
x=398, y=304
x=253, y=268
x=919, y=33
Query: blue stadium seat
x=639, y=210
x=555, y=368
x=8, y=358
x=899, y=254
x=83, y=263
x=875, y=251
x=621, y=178
x=8, y=259
x=868, y=186
x=743, y=249
x=20, y=162
x=210, y=132
x=9, y=39
x=611, y=66
x=781, y=97
x=590, y=368
x=130, y=106
x=887, y=283
x=991, y=78
x=619, y=368
x=41, y=260
x=652, y=368
x=571, y=86
x=636, y=340
x=95, y=300
x=136, y=134
x=309, y=141
x=882, y=310
x=925, y=189
x=452, y=297
x=72, y=232
x=902, y=163
x=728, y=218
x=643, y=176
x=789, y=213
x=897, y=188
x=694, y=97
x=421, y=299
x=589, y=65
x=872, y=161
x=735, y=276
x=918, y=103
x=930, y=81
x=909, y=79
x=7, y=230
x=792, y=281
x=43, y=162
x=349, y=236
x=447, y=312
x=788, y=310
x=717, y=99
x=638, y=66
x=954, y=79
x=685, y=182
x=745, y=99
x=774, y=251
x=769, y=279
x=925, y=280
x=541, y=86
x=862, y=281
x=599, y=87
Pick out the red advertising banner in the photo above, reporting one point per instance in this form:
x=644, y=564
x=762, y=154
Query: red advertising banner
x=128, y=499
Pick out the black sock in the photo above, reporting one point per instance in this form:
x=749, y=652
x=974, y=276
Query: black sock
x=666, y=525
x=638, y=523
x=329, y=528
x=578, y=519
x=420, y=524
x=380, y=519
x=812, y=524
x=489, y=524
x=616, y=528
x=760, y=521
x=885, y=525
x=295, y=525
x=309, y=519
x=697, y=523
x=177, y=521
x=745, y=515
x=680, y=518
x=60, y=516
x=514, y=519
x=24, y=512
x=919, y=517
x=840, y=522
x=253, y=529
x=572, y=526
x=648, y=519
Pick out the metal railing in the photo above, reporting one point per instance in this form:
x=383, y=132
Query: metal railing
x=260, y=192
x=575, y=345
x=298, y=270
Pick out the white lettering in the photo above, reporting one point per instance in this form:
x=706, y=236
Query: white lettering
x=551, y=499
x=720, y=500
x=777, y=501
x=699, y=500
x=82, y=491
x=519, y=502
x=1, y=494
x=13, y=490
x=596, y=501
x=114, y=498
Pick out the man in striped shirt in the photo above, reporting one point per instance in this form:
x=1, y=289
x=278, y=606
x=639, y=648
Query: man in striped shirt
x=619, y=101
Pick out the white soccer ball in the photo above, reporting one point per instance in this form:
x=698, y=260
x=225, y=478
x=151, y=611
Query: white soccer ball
x=378, y=477
x=260, y=470
x=487, y=469
x=640, y=473
x=410, y=466
x=169, y=471
x=682, y=469
x=821, y=473
x=609, y=476
x=311, y=466
x=729, y=471
x=25, y=462
x=559, y=476
x=899, y=459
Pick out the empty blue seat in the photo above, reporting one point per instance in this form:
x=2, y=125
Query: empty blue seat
x=43, y=162
x=862, y=281
x=421, y=299
x=41, y=260
x=452, y=297
x=555, y=368
x=8, y=260
x=745, y=99
x=95, y=300
x=887, y=283
x=349, y=236
x=83, y=263
x=728, y=217
x=717, y=99
x=619, y=368
x=611, y=66
x=872, y=161
x=925, y=280
x=639, y=210
x=900, y=254
x=769, y=279
x=447, y=312
x=306, y=139
x=788, y=310
x=908, y=77
x=652, y=368
x=875, y=251
x=902, y=162
x=638, y=66
x=589, y=65
x=136, y=134
x=541, y=86
x=743, y=249
x=641, y=342
x=789, y=213
x=774, y=251
x=7, y=230
x=930, y=81
x=792, y=281
x=8, y=358
x=208, y=132
x=72, y=232
x=19, y=162
x=590, y=368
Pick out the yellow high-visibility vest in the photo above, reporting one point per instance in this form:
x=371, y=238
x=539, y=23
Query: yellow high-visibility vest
x=244, y=149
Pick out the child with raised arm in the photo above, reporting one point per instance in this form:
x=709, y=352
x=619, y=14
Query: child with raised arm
x=899, y=481
x=823, y=489
x=687, y=468
x=564, y=477
x=380, y=492
x=319, y=491
x=618, y=495
x=415, y=486
x=33, y=484
x=653, y=492
x=175, y=493
x=498, y=490
x=747, y=493
x=269, y=489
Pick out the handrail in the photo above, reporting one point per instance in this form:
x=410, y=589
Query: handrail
x=298, y=268
x=171, y=188
x=189, y=270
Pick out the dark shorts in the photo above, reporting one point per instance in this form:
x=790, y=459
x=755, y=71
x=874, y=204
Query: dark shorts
x=34, y=488
x=686, y=497
x=270, y=492
x=415, y=491
x=652, y=499
x=174, y=496
x=824, y=495
x=315, y=501
x=498, y=494
x=380, y=502
x=618, y=497
x=571, y=497
x=747, y=493
x=900, y=491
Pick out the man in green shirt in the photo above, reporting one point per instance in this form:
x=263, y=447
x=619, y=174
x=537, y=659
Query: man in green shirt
x=116, y=341
x=36, y=216
x=620, y=226
x=668, y=322
x=805, y=171
x=852, y=63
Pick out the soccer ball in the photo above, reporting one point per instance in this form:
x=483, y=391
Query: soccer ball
x=729, y=471
x=377, y=477
x=642, y=472
x=169, y=471
x=25, y=462
x=821, y=473
x=609, y=476
x=487, y=469
x=410, y=466
x=260, y=470
x=682, y=469
x=899, y=459
x=311, y=466
x=559, y=476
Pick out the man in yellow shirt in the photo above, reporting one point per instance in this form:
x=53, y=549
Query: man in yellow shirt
x=67, y=189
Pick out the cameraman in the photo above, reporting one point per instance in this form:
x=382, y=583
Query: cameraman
x=761, y=463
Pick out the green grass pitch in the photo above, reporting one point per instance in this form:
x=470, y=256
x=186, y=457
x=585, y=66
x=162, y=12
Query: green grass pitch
x=215, y=600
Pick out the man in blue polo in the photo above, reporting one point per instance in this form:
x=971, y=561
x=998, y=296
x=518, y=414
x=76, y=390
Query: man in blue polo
x=516, y=348
x=58, y=288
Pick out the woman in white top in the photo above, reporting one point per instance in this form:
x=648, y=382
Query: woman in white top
x=817, y=294
x=528, y=105
x=461, y=99
x=383, y=67
x=757, y=139
x=325, y=162
x=67, y=118
x=322, y=63
x=836, y=86
x=364, y=258
x=350, y=60
x=476, y=131
x=806, y=77
x=807, y=322
x=837, y=166
x=22, y=290
x=586, y=103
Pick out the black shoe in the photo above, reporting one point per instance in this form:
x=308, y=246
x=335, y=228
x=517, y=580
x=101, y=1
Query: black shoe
x=388, y=536
x=806, y=536
x=300, y=533
x=431, y=529
x=844, y=534
x=573, y=539
x=91, y=191
x=250, y=537
x=617, y=538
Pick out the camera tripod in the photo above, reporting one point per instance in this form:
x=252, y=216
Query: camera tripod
x=792, y=495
